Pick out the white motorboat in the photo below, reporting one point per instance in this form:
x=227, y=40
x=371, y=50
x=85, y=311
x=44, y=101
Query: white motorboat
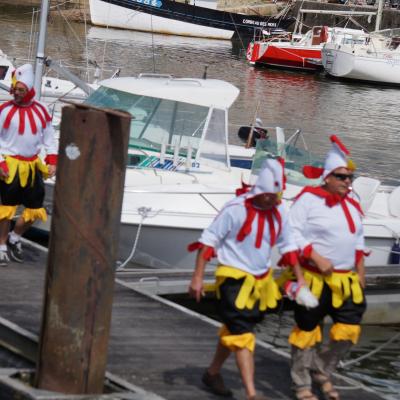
x=53, y=88
x=373, y=57
x=179, y=171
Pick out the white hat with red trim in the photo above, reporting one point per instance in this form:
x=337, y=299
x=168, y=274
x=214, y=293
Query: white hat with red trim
x=271, y=177
x=24, y=74
x=337, y=157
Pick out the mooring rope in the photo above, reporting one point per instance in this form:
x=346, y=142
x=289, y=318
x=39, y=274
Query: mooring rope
x=144, y=213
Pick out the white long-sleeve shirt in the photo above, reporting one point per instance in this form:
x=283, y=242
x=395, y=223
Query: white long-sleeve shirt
x=222, y=235
x=327, y=230
x=26, y=144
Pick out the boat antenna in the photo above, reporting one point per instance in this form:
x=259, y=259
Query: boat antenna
x=205, y=72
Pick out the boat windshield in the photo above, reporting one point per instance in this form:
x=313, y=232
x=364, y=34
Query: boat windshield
x=295, y=159
x=156, y=121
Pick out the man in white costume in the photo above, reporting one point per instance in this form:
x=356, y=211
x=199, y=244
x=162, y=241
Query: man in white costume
x=25, y=128
x=327, y=226
x=242, y=237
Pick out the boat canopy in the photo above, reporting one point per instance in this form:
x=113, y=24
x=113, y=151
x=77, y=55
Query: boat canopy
x=202, y=92
x=170, y=126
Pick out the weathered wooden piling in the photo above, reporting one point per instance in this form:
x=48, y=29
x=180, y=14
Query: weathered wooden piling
x=83, y=250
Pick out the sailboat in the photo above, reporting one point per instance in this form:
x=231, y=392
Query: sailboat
x=373, y=57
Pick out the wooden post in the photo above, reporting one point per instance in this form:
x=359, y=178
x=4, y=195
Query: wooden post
x=83, y=249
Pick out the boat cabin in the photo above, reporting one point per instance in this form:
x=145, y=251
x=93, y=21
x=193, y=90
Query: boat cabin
x=177, y=124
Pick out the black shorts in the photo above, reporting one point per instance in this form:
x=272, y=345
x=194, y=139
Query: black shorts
x=348, y=313
x=30, y=196
x=237, y=321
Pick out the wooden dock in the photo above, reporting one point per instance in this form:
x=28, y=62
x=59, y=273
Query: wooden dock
x=155, y=345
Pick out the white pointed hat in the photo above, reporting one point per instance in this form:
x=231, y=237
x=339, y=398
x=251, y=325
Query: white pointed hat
x=24, y=74
x=271, y=178
x=337, y=157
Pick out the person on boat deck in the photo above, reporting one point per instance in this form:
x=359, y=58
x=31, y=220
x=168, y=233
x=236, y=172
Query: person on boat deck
x=258, y=132
x=242, y=236
x=25, y=127
x=327, y=226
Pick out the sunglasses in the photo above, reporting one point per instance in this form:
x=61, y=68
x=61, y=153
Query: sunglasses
x=343, y=177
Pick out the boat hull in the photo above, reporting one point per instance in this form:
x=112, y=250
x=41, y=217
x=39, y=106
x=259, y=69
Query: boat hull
x=170, y=17
x=342, y=63
x=166, y=246
x=165, y=234
x=286, y=56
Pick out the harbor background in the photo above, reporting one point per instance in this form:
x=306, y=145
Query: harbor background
x=365, y=116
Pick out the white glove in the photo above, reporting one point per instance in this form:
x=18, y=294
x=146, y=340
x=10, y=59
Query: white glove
x=301, y=294
x=305, y=298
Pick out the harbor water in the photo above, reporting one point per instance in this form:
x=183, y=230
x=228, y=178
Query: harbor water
x=366, y=117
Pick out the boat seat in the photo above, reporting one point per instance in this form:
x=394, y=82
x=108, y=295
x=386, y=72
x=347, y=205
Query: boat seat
x=365, y=188
x=394, y=203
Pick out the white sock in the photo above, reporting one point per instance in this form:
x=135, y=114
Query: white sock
x=14, y=237
x=3, y=247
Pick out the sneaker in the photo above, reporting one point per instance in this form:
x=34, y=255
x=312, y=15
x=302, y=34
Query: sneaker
x=15, y=251
x=216, y=384
x=4, y=259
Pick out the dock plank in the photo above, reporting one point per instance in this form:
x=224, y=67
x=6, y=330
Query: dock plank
x=152, y=345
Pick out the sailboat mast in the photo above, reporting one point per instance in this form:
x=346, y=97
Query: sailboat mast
x=379, y=15
x=44, y=12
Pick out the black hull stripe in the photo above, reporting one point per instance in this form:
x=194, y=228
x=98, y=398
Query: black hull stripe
x=243, y=24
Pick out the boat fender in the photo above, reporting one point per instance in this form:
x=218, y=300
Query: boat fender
x=324, y=34
x=249, y=53
x=395, y=253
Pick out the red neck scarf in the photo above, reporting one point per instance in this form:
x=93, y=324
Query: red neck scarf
x=29, y=110
x=332, y=200
x=262, y=215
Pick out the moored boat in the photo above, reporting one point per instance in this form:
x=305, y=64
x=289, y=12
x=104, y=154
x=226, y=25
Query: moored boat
x=285, y=52
x=176, y=18
x=373, y=57
x=179, y=172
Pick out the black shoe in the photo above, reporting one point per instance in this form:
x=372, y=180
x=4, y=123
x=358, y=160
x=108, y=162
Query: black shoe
x=4, y=259
x=216, y=384
x=15, y=251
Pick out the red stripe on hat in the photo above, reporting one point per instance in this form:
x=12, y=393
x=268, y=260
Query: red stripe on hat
x=337, y=141
x=281, y=161
x=312, y=172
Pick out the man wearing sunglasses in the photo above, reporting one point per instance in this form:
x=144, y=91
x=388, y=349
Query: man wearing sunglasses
x=242, y=237
x=326, y=222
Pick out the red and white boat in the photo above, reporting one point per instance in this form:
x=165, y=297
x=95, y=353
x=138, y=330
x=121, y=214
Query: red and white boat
x=286, y=52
